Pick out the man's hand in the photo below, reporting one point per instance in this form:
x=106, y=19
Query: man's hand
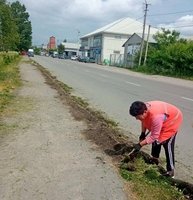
x=142, y=136
x=137, y=147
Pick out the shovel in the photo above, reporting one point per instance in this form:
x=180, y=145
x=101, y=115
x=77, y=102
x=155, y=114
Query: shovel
x=130, y=156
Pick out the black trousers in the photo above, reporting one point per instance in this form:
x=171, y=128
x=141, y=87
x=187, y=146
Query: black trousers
x=169, y=151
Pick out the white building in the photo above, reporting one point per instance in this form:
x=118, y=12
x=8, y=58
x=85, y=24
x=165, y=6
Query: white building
x=71, y=48
x=106, y=44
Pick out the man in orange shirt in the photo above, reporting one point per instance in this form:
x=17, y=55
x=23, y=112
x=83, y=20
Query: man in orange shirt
x=163, y=120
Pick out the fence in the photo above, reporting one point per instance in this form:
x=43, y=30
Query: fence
x=117, y=60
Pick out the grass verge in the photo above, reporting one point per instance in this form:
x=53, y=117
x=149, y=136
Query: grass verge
x=9, y=77
x=147, y=183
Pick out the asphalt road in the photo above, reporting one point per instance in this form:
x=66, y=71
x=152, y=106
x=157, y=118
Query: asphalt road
x=112, y=90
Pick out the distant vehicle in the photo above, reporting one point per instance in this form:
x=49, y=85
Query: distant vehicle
x=92, y=60
x=23, y=53
x=55, y=54
x=83, y=59
x=30, y=53
x=86, y=59
x=74, y=57
x=61, y=56
x=42, y=53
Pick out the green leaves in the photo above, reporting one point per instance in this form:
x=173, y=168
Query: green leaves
x=21, y=18
x=9, y=36
x=15, y=27
x=166, y=37
x=171, y=56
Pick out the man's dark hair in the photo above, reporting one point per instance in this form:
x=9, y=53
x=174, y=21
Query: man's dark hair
x=137, y=108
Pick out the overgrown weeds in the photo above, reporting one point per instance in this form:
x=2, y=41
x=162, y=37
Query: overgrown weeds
x=9, y=77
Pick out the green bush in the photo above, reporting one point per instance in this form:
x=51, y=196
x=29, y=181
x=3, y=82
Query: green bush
x=7, y=58
x=175, y=60
x=9, y=77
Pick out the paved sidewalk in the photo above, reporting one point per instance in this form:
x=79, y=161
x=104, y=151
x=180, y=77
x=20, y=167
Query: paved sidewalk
x=45, y=156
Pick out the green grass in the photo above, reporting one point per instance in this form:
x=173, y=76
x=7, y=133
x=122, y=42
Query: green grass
x=147, y=70
x=147, y=183
x=9, y=77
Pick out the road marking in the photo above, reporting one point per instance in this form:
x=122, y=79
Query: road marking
x=133, y=84
x=186, y=98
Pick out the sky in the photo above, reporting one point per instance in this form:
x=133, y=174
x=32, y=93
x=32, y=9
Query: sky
x=71, y=19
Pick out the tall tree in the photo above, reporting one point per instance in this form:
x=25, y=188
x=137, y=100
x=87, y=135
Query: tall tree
x=166, y=37
x=61, y=48
x=9, y=36
x=21, y=17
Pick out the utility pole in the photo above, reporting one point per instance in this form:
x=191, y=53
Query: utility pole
x=143, y=34
x=78, y=38
x=147, y=44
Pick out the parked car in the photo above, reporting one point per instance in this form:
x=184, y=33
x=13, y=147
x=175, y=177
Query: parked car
x=23, y=53
x=92, y=60
x=61, y=56
x=30, y=53
x=83, y=59
x=74, y=57
x=86, y=59
x=55, y=54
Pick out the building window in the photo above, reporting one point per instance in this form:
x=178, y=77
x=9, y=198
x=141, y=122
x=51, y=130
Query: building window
x=97, y=41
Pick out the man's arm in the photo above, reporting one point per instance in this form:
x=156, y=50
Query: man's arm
x=156, y=127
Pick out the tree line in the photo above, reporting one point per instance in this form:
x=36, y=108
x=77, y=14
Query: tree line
x=15, y=27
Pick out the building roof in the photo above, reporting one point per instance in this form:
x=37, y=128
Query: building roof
x=69, y=45
x=126, y=26
x=138, y=38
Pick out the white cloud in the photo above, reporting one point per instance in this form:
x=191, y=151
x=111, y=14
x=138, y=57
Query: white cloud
x=62, y=18
x=83, y=9
x=77, y=14
x=183, y=25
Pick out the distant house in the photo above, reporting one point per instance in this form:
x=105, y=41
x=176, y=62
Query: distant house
x=71, y=49
x=132, y=46
x=106, y=44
